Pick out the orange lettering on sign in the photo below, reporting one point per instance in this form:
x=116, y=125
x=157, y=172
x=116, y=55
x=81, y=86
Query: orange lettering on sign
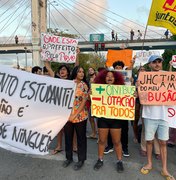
x=98, y=110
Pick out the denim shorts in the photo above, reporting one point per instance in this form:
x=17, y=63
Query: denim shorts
x=158, y=126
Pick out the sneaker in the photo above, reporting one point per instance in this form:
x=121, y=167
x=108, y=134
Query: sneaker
x=108, y=150
x=98, y=165
x=78, y=165
x=126, y=153
x=120, y=168
x=67, y=163
x=170, y=145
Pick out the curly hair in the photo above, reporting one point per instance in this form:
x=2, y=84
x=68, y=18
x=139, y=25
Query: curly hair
x=118, y=63
x=101, y=77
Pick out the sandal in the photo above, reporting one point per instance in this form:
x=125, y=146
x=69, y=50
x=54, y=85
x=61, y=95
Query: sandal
x=167, y=176
x=145, y=171
x=55, y=151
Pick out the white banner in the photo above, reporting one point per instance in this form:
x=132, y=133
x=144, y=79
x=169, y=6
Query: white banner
x=58, y=49
x=143, y=56
x=33, y=109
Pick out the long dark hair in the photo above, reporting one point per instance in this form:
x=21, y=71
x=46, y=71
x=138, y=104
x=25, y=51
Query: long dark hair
x=75, y=72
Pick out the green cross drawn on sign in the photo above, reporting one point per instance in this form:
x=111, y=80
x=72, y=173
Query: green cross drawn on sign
x=100, y=89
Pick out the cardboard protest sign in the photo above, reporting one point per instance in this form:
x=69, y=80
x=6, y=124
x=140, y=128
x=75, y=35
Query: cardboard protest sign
x=157, y=88
x=113, y=101
x=119, y=55
x=33, y=109
x=143, y=56
x=58, y=49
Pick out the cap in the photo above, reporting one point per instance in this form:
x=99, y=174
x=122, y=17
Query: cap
x=154, y=57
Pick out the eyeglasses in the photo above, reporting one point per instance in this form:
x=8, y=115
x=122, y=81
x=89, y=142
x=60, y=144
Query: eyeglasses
x=157, y=61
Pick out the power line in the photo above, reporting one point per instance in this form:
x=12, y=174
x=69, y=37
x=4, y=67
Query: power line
x=70, y=23
x=19, y=23
x=10, y=17
x=4, y=4
x=119, y=15
x=94, y=19
x=81, y=19
x=13, y=34
x=12, y=13
x=92, y=12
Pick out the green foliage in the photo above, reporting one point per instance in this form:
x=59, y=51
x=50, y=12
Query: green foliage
x=167, y=56
x=85, y=60
x=173, y=37
x=61, y=33
x=93, y=60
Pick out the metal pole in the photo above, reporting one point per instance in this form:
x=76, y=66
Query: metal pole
x=49, y=18
x=17, y=61
x=25, y=57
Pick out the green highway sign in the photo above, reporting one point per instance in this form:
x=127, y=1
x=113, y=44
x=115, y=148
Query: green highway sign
x=96, y=37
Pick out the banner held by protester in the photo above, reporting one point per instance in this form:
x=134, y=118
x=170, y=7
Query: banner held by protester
x=33, y=109
x=163, y=14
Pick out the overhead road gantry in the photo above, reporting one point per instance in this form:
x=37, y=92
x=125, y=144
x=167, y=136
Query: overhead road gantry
x=90, y=46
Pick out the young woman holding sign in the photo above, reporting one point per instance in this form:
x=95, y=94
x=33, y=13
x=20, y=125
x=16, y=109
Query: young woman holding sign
x=63, y=72
x=106, y=124
x=77, y=121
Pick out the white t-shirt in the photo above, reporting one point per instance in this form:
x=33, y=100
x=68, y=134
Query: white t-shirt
x=155, y=112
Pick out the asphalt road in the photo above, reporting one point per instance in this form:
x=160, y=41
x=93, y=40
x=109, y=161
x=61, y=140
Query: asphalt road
x=29, y=167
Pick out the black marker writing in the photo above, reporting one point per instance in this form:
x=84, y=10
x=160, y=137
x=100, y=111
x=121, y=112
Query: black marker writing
x=33, y=139
x=8, y=83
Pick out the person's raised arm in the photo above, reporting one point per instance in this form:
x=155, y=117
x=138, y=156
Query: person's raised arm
x=48, y=67
x=170, y=65
x=77, y=56
x=132, y=63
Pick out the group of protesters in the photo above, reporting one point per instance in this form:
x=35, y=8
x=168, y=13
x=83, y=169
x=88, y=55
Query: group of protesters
x=112, y=133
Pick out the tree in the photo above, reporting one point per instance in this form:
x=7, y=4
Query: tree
x=173, y=37
x=61, y=33
x=93, y=60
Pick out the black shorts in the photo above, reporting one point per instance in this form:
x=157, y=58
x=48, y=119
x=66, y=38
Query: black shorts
x=109, y=123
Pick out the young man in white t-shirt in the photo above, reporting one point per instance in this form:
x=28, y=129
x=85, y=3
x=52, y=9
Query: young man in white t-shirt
x=155, y=121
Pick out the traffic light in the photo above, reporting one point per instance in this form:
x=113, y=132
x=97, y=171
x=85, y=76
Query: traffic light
x=102, y=46
x=99, y=47
x=96, y=47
